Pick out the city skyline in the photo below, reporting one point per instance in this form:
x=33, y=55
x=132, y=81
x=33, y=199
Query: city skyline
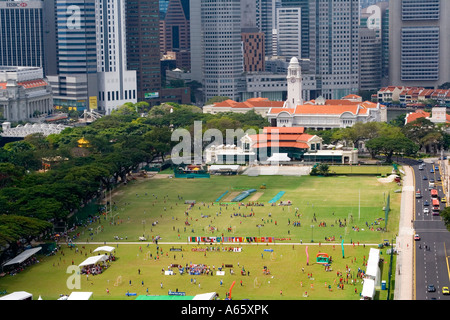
x=237, y=49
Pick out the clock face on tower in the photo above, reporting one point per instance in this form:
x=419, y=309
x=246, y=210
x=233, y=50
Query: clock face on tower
x=293, y=80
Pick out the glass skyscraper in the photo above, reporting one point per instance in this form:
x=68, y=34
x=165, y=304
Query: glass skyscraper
x=216, y=44
x=76, y=36
x=76, y=50
x=21, y=33
x=419, y=43
x=334, y=46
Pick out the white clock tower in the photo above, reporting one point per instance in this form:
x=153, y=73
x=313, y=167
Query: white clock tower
x=294, y=85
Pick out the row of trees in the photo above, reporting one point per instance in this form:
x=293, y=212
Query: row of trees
x=45, y=179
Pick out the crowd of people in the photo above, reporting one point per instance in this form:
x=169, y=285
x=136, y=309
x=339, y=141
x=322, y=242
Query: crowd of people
x=21, y=267
x=93, y=269
x=198, y=269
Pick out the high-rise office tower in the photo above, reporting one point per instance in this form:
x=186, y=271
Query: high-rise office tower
x=253, y=46
x=376, y=17
x=267, y=24
x=21, y=33
x=50, y=38
x=334, y=46
x=175, y=33
x=143, y=55
x=116, y=84
x=77, y=42
x=253, y=40
x=367, y=3
x=91, y=55
x=76, y=79
x=216, y=32
x=303, y=5
x=163, y=6
x=419, y=43
x=369, y=60
x=289, y=41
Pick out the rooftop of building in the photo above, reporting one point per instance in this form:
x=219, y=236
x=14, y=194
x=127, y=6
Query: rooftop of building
x=249, y=104
x=335, y=107
x=281, y=137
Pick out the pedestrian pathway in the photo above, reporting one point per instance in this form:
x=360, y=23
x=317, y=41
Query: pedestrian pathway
x=405, y=245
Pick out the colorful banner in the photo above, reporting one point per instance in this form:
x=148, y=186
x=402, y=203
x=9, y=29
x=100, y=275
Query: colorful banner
x=232, y=239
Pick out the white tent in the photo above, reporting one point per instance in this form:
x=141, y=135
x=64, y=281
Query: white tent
x=105, y=248
x=368, y=291
x=279, y=157
x=23, y=256
x=205, y=296
x=18, y=295
x=373, y=270
x=80, y=296
x=93, y=260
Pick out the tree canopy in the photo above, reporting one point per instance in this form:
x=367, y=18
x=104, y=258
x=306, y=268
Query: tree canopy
x=44, y=179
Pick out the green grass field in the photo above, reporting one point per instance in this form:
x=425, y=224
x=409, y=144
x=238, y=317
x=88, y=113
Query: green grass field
x=320, y=201
x=48, y=278
x=352, y=200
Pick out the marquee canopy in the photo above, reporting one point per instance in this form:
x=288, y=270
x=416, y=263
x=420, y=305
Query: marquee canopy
x=105, y=248
x=368, y=290
x=372, y=264
x=80, y=296
x=18, y=295
x=205, y=296
x=93, y=260
x=279, y=157
x=23, y=256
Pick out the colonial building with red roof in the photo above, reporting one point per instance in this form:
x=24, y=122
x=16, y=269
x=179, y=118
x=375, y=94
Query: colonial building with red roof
x=24, y=93
x=324, y=115
x=437, y=115
x=259, y=105
x=291, y=142
x=295, y=112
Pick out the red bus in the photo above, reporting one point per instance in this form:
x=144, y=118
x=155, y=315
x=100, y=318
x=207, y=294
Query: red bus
x=436, y=207
x=434, y=193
